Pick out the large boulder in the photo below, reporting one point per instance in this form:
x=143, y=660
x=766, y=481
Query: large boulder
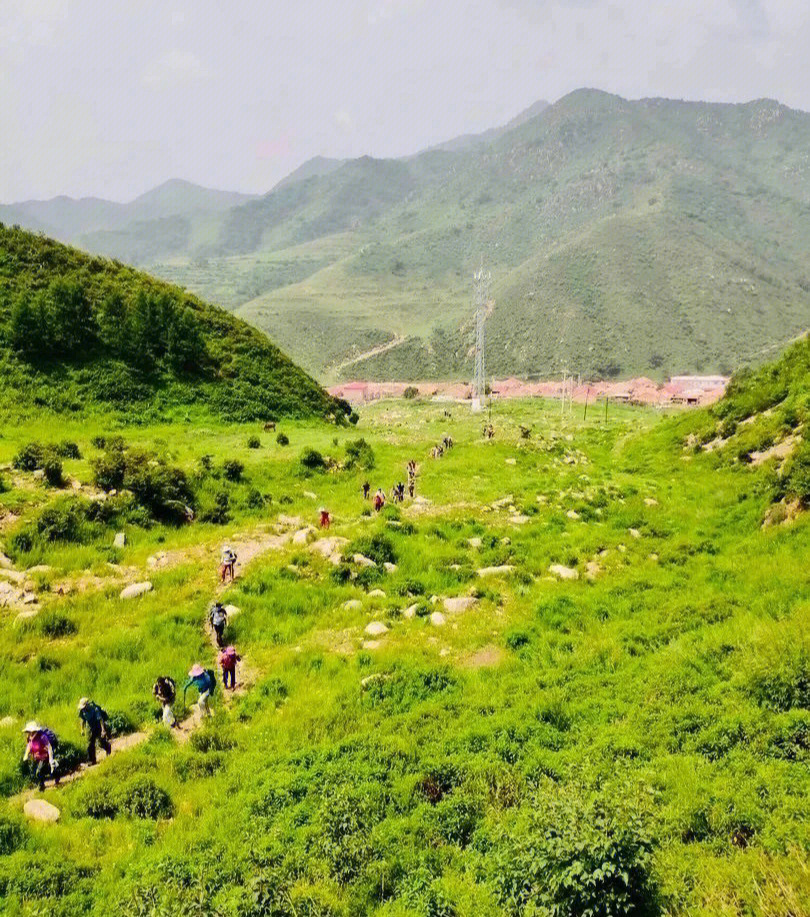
x=353, y=605
x=437, y=619
x=502, y=570
x=376, y=594
x=563, y=572
x=302, y=536
x=41, y=810
x=376, y=629
x=120, y=540
x=362, y=561
x=135, y=589
x=329, y=546
x=458, y=603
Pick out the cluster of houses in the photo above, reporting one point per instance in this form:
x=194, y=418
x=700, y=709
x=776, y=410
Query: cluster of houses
x=679, y=390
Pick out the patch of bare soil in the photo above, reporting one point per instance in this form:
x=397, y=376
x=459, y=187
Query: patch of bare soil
x=485, y=658
x=780, y=450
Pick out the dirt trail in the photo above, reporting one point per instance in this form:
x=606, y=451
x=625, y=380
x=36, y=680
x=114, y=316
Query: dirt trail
x=368, y=354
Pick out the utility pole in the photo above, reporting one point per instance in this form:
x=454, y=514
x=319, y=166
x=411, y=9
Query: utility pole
x=481, y=281
x=585, y=412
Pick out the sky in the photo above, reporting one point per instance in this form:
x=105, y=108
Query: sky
x=112, y=98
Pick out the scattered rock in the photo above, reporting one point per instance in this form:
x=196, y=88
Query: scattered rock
x=634, y=533
x=329, y=546
x=376, y=629
x=5, y=562
x=474, y=542
x=518, y=519
x=621, y=548
x=352, y=604
x=410, y=611
x=161, y=559
x=650, y=501
x=592, y=569
x=41, y=810
x=511, y=461
x=572, y=514
x=7, y=721
x=288, y=520
x=444, y=651
x=135, y=589
x=502, y=570
x=653, y=557
x=232, y=610
x=362, y=561
x=506, y=540
x=16, y=576
x=504, y=501
x=120, y=540
x=309, y=495
x=39, y=474
x=376, y=594
x=542, y=498
x=437, y=619
x=389, y=567
x=336, y=559
x=563, y=572
x=458, y=603
x=302, y=536
x=372, y=644
x=29, y=598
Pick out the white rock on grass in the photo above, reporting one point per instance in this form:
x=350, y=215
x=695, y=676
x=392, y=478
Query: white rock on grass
x=511, y=461
x=650, y=501
x=376, y=594
x=310, y=495
x=389, y=567
x=518, y=519
x=474, y=542
x=502, y=570
x=135, y=589
x=7, y=721
x=592, y=569
x=504, y=501
x=458, y=603
x=376, y=629
x=161, y=559
x=352, y=604
x=232, y=610
x=372, y=644
x=362, y=561
x=41, y=810
x=5, y=562
x=329, y=546
x=563, y=572
x=634, y=533
x=120, y=540
x=39, y=568
x=302, y=536
x=437, y=619
x=377, y=677
x=16, y=576
x=410, y=612
x=572, y=514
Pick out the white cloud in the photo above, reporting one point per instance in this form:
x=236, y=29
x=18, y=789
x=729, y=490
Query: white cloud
x=344, y=120
x=172, y=68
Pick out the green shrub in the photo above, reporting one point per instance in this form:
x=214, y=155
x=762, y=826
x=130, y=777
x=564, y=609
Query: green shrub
x=378, y=547
x=312, y=460
x=796, y=476
x=282, y=439
x=141, y=797
x=30, y=457
x=354, y=417
x=254, y=442
x=52, y=466
x=12, y=834
x=53, y=624
x=96, y=799
x=219, y=512
x=576, y=856
x=67, y=449
x=109, y=470
x=410, y=392
x=232, y=470
x=359, y=454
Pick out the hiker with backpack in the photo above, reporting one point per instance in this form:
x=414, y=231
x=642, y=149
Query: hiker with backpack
x=96, y=722
x=204, y=680
x=379, y=499
x=366, y=490
x=40, y=747
x=218, y=618
x=228, y=659
x=227, y=564
x=165, y=691
x=326, y=518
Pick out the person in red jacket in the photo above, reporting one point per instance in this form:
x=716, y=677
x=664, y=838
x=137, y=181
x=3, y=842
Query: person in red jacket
x=227, y=662
x=326, y=518
x=41, y=749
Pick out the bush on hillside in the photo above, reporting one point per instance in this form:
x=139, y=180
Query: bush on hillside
x=232, y=470
x=576, y=856
x=219, y=511
x=410, y=392
x=359, y=454
x=282, y=439
x=312, y=460
x=52, y=467
x=795, y=481
x=29, y=457
x=378, y=547
x=68, y=449
x=254, y=442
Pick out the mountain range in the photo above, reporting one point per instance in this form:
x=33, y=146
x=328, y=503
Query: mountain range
x=623, y=237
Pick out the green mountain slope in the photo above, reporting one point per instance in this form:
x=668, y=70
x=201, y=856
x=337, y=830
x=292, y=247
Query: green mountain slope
x=78, y=332
x=651, y=236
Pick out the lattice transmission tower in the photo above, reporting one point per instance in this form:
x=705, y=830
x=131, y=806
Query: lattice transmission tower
x=481, y=281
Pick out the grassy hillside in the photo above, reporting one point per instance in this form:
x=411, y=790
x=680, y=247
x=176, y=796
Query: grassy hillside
x=604, y=708
x=79, y=334
x=624, y=237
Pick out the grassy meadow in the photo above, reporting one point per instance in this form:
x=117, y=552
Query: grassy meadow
x=634, y=740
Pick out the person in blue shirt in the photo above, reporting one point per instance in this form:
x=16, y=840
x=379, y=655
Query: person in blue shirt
x=203, y=681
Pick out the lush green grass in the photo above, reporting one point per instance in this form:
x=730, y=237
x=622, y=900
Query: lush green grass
x=654, y=718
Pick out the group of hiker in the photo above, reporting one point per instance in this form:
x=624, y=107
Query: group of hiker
x=42, y=744
x=444, y=446
x=397, y=491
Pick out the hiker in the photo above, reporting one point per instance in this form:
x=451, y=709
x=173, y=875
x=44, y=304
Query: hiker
x=166, y=691
x=400, y=488
x=366, y=490
x=411, y=486
x=326, y=518
x=227, y=662
x=96, y=722
x=204, y=681
x=227, y=564
x=41, y=749
x=379, y=499
x=218, y=618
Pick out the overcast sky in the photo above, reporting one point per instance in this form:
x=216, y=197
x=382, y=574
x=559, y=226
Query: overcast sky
x=111, y=97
